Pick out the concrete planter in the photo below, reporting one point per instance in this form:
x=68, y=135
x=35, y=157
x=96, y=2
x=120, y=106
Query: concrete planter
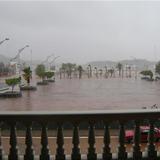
x=51, y=80
x=10, y=94
x=42, y=83
x=28, y=88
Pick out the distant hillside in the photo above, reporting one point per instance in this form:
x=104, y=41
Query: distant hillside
x=140, y=63
x=4, y=59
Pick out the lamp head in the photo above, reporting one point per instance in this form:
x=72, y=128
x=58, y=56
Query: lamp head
x=7, y=39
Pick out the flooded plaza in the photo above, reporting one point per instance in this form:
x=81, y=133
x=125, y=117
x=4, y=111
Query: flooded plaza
x=87, y=94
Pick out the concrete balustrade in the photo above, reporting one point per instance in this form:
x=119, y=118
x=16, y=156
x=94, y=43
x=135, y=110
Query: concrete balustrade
x=75, y=118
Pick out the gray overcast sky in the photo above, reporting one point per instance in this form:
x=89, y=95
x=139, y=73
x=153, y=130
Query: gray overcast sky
x=81, y=31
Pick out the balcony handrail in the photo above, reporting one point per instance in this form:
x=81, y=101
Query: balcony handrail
x=77, y=117
x=91, y=112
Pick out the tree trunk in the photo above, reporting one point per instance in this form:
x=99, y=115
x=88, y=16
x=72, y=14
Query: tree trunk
x=28, y=81
x=12, y=88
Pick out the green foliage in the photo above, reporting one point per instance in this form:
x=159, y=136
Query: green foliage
x=40, y=71
x=80, y=70
x=147, y=73
x=119, y=66
x=49, y=74
x=68, y=66
x=158, y=68
x=27, y=74
x=13, y=82
x=111, y=71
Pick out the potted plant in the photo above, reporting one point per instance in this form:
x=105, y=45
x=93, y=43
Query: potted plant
x=12, y=82
x=148, y=75
x=40, y=72
x=27, y=75
x=50, y=76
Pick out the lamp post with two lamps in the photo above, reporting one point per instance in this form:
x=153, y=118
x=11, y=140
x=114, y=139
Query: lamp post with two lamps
x=19, y=60
x=6, y=39
x=52, y=62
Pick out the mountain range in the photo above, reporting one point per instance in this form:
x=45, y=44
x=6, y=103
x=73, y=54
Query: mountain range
x=4, y=59
x=140, y=63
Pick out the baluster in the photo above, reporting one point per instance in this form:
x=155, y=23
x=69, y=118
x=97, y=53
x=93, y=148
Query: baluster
x=107, y=155
x=122, y=154
x=75, y=141
x=29, y=155
x=44, y=142
x=137, y=154
x=1, y=148
x=91, y=140
x=13, y=153
x=152, y=154
x=60, y=142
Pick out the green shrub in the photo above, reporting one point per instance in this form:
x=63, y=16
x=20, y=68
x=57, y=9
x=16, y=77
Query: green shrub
x=13, y=82
x=49, y=74
x=40, y=71
x=147, y=73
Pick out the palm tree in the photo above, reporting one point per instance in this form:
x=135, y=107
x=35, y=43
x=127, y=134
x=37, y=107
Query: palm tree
x=106, y=72
x=63, y=69
x=40, y=71
x=80, y=70
x=130, y=71
x=111, y=71
x=27, y=74
x=122, y=72
x=119, y=66
x=157, y=69
x=96, y=72
x=68, y=68
x=60, y=73
x=100, y=72
x=90, y=70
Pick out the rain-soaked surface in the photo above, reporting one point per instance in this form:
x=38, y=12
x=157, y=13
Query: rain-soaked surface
x=87, y=94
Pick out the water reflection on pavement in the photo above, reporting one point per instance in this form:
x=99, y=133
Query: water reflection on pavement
x=87, y=94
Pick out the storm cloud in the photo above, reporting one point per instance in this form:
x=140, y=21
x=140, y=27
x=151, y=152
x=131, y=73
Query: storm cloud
x=81, y=31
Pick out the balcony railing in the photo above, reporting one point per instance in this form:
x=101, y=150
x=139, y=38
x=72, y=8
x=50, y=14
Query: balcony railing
x=76, y=118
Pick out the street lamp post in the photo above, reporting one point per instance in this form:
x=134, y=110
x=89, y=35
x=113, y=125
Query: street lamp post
x=18, y=57
x=53, y=61
x=46, y=60
x=135, y=66
x=6, y=39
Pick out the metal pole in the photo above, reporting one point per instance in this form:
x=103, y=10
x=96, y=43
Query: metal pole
x=6, y=39
x=53, y=61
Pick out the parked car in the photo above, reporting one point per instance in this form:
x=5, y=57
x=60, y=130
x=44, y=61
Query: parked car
x=144, y=130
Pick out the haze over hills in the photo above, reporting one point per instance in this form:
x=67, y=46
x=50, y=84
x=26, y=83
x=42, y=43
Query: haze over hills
x=140, y=63
x=6, y=60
